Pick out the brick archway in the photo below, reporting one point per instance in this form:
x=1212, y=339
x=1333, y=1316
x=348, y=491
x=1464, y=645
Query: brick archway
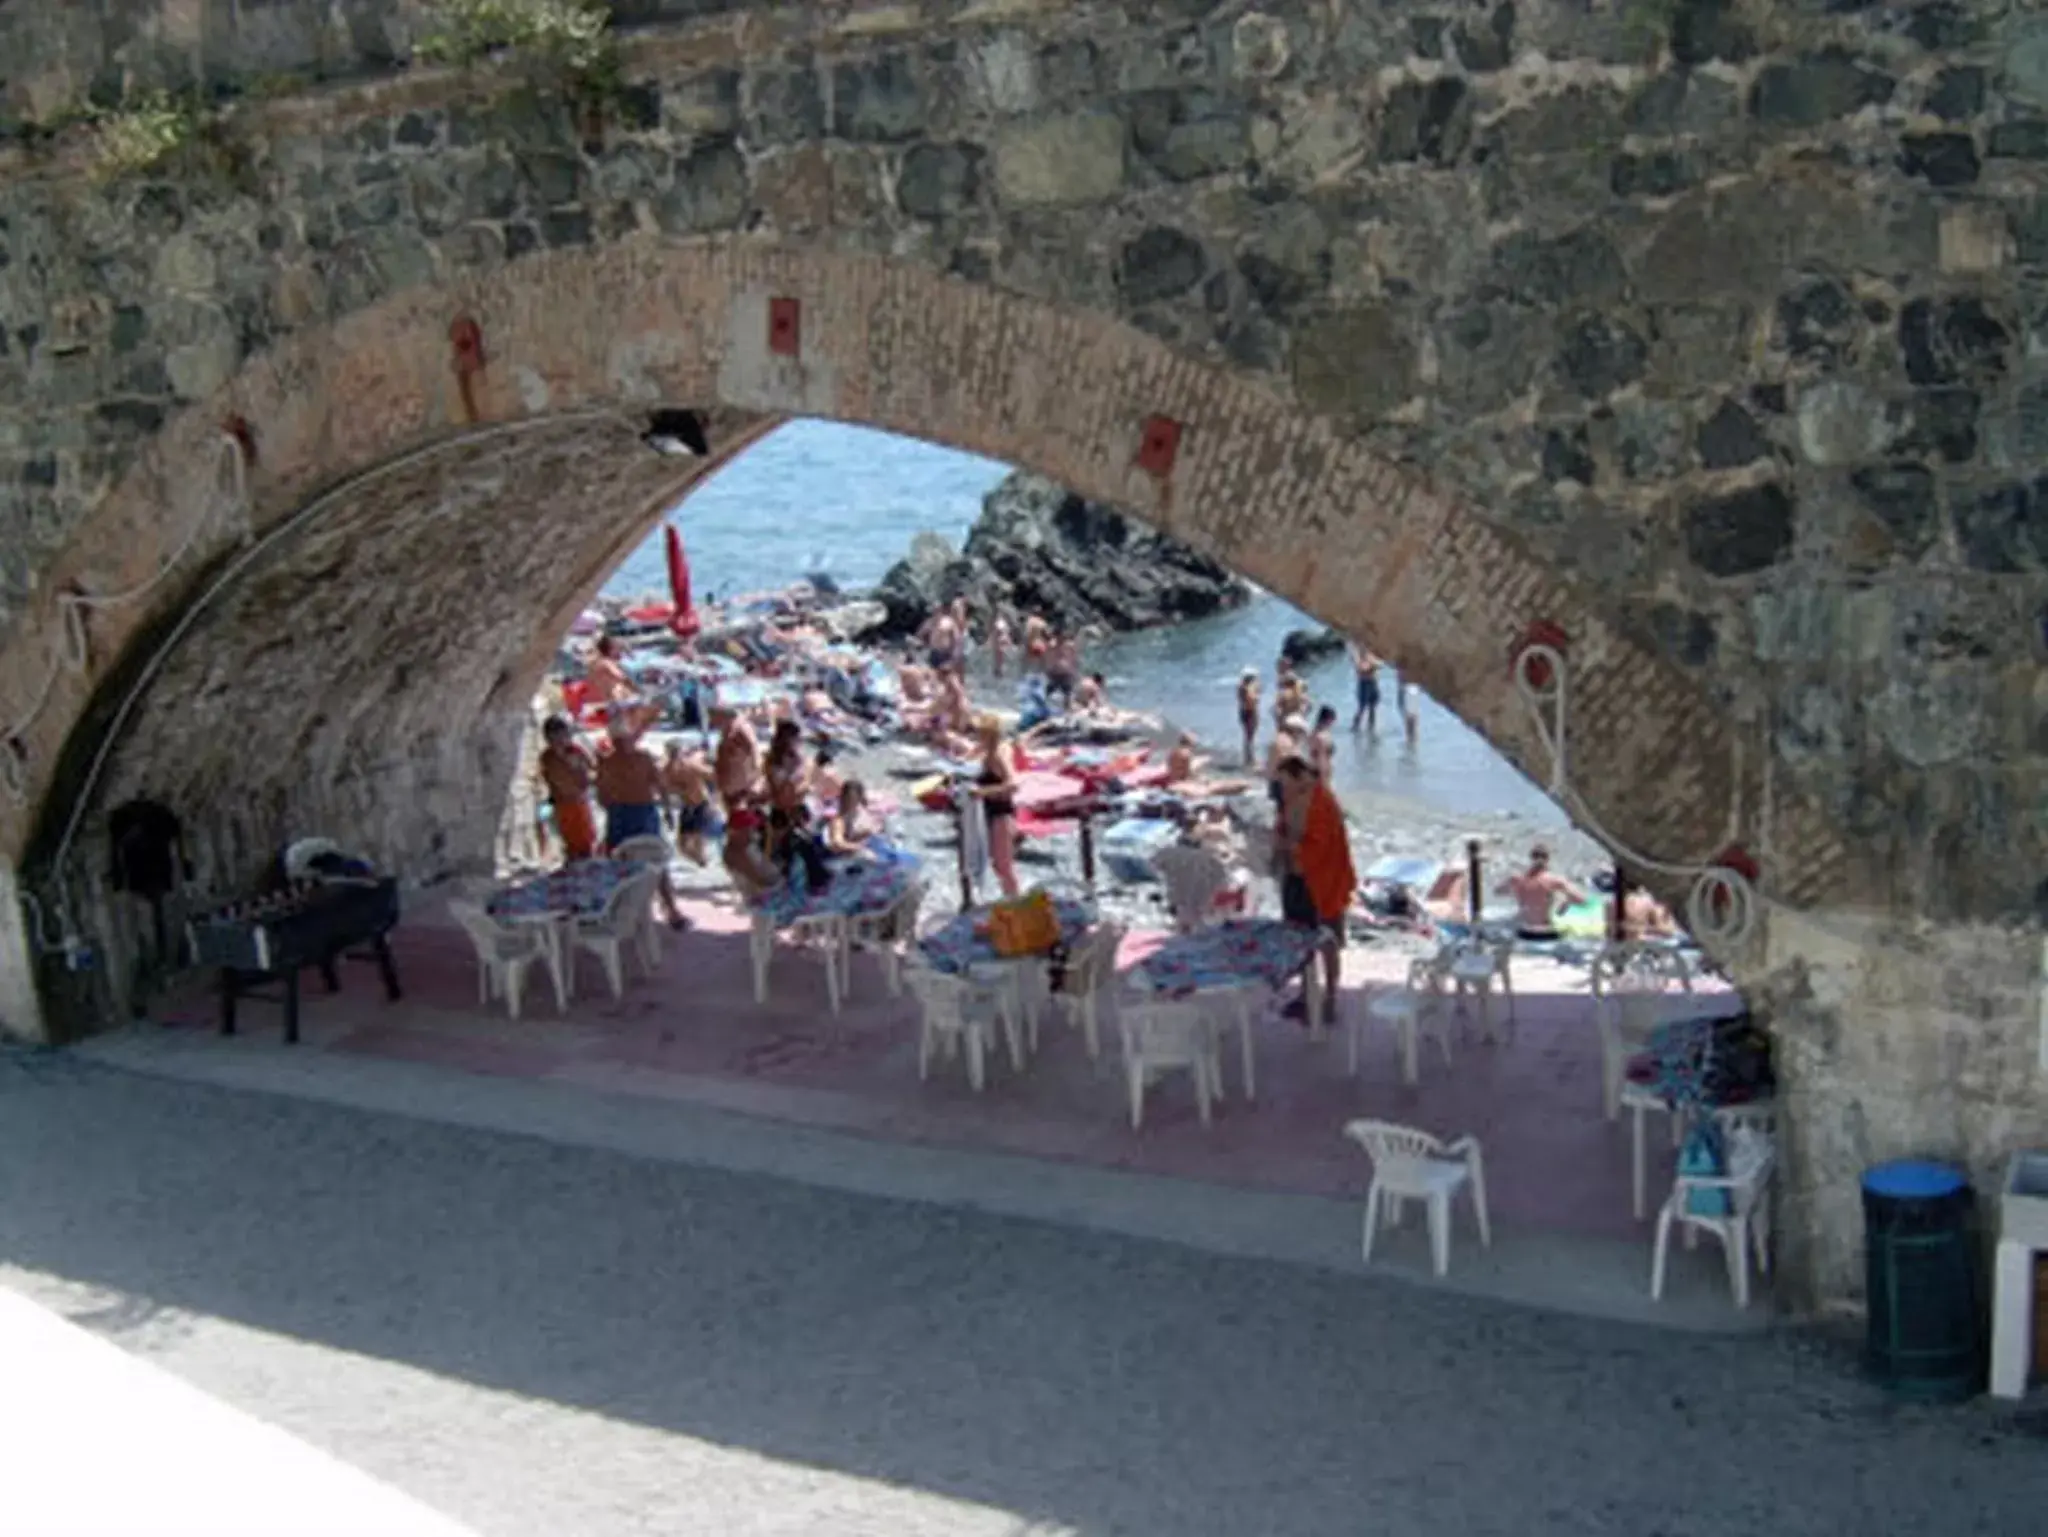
x=369, y=674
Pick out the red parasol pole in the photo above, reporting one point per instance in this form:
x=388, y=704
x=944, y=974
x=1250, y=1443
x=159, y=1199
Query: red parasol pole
x=684, y=620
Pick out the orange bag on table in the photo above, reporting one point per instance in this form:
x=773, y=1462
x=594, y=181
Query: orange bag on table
x=1029, y=925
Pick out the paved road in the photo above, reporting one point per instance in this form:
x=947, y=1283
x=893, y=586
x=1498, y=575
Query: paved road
x=551, y=1341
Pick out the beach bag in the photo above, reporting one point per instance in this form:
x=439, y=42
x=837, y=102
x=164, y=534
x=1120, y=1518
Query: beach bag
x=1704, y=1155
x=1026, y=926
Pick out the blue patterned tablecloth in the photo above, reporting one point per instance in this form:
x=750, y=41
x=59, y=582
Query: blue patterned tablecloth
x=855, y=891
x=1227, y=954
x=963, y=942
x=580, y=889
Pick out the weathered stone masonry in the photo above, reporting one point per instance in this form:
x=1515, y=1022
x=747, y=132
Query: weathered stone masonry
x=1712, y=332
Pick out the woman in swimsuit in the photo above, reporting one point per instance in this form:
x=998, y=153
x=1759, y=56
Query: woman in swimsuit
x=997, y=789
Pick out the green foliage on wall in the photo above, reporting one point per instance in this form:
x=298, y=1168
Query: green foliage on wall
x=566, y=42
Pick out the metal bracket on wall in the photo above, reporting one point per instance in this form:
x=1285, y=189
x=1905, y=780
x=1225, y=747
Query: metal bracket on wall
x=785, y=328
x=238, y=428
x=466, y=342
x=1159, y=446
x=1534, y=650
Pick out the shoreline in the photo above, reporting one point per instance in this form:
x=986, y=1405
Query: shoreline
x=1389, y=824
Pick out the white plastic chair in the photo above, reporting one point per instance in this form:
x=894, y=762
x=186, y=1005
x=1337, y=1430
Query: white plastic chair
x=1735, y=1207
x=651, y=850
x=608, y=933
x=1648, y=963
x=646, y=849
x=1630, y=988
x=1408, y=1164
x=959, y=1013
x=1159, y=1038
x=1194, y=879
x=886, y=934
x=1473, y=967
x=824, y=935
x=1626, y=1010
x=1091, y=976
x=1407, y=1011
x=504, y=951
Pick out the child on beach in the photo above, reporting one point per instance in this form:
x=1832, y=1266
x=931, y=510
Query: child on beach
x=1248, y=713
x=1411, y=718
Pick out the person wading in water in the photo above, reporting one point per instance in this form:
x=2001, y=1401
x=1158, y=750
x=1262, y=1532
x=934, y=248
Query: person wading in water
x=1368, y=669
x=1248, y=713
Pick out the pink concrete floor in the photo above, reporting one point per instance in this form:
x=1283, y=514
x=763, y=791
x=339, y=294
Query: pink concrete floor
x=693, y=1032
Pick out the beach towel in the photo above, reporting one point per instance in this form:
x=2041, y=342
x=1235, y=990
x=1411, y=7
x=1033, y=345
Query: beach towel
x=1324, y=857
x=974, y=837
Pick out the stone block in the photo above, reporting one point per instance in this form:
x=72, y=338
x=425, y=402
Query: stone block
x=1355, y=362
x=1071, y=159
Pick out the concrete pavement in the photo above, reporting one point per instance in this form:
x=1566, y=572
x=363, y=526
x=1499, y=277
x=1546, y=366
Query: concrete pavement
x=538, y=1338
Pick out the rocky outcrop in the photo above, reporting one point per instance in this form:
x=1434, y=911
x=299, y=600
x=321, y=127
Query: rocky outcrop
x=1302, y=647
x=1040, y=549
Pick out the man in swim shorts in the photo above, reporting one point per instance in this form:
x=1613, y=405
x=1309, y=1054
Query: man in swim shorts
x=629, y=787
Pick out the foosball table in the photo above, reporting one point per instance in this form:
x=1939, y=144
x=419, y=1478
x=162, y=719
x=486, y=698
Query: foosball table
x=272, y=938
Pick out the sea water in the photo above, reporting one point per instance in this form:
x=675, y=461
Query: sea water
x=846, y=501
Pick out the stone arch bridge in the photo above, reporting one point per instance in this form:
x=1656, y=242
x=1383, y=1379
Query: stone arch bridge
x=1708, y=333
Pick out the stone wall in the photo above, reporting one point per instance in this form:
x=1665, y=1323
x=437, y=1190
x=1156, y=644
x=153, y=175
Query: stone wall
x=1713, y=329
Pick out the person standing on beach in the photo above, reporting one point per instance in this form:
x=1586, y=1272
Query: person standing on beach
x=1411, y=718
x=942, y=641
x=1248, y=713
x=1322, y=743
x=996, y=788
x=566, y=771
x=609, y=684
x=686, y=785
x=1037, y=641
x=1367, y=667
x=1287, y=742
x=964, y=648
x=1289, y=696
x=998, y=643
x=736, y=768
x=1063, y=669
x=1312, y=858
x=629, y=785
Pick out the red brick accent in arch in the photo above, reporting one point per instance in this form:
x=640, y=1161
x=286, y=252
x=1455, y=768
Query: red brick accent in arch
x=1277, y=493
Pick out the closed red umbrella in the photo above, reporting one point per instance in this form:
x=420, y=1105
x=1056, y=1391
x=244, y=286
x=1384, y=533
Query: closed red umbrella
x=684, y=621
